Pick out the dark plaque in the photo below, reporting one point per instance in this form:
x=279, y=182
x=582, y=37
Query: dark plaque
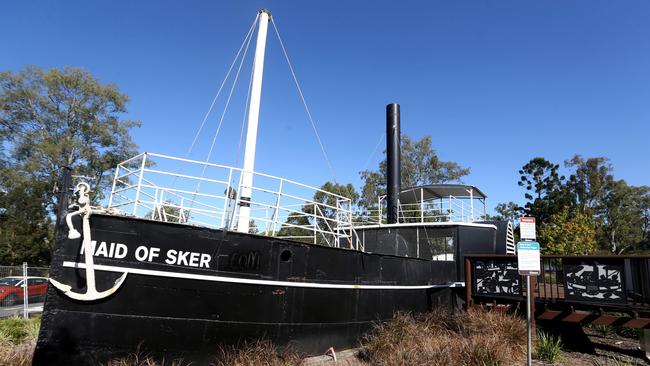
x=496, y=278
x=594, y=282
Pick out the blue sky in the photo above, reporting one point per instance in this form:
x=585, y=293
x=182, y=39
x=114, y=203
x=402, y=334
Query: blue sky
x=495, y=83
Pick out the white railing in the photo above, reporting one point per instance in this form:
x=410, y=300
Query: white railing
x=445, y=209
x=171, y=189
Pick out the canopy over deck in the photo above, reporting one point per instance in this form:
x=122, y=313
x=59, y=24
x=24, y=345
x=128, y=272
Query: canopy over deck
x=436, y=191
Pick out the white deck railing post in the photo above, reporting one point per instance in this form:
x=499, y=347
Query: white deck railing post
x=137, y=192
x=274, y=218
x=226, y=200
x=110, y=198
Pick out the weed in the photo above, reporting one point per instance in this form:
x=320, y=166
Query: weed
x=549, y=347
x=604, y=331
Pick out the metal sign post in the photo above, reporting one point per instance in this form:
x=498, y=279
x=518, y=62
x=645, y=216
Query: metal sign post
x=25, y=292
x=528, y=262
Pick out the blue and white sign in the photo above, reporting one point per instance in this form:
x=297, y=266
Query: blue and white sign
x=528, y=260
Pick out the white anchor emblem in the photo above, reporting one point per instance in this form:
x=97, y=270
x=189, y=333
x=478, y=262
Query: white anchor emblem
x=91, y=290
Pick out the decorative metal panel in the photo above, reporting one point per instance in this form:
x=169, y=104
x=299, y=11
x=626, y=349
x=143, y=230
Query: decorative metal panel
x=496, y=278
x=594, y=282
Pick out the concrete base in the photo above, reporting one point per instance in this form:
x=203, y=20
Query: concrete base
x=344, y=357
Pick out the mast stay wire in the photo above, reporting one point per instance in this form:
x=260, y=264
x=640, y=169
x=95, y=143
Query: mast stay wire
x=243, y=121
x=225, y=108
x=302, y=97
x=223, y=83
x=374, y=151
x=214, y=100
x=247, y=41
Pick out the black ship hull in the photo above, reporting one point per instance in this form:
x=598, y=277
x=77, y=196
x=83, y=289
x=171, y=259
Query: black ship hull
x=191, y=289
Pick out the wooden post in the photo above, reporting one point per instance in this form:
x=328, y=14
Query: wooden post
x=533, y=297
x=469, y=301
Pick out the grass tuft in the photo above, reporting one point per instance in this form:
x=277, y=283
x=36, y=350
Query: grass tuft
x=17, y=340
x=139, y=359
x=256, y=353
x=549, y=347
x=476, y=337
x=18, y=330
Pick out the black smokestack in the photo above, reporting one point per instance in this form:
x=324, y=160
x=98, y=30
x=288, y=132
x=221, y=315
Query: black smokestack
x=393, y=171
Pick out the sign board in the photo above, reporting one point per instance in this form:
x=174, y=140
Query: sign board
x=528, y=258
x=527, y=228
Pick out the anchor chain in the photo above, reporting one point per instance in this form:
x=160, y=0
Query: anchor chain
x=85, y=211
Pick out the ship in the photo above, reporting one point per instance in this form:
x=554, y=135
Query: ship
x=188, y=256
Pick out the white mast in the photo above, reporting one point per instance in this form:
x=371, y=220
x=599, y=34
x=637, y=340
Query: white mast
x=253, y=117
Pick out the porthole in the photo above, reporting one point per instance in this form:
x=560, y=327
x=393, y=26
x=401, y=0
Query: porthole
x=285, y=256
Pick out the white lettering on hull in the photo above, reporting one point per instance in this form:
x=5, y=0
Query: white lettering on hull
x=145, y=253
x=179, y=257
x=112, y=250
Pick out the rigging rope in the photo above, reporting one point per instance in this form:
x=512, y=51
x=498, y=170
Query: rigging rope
x=205, y=118
x=247, y=41
x=374, y=151
x=243, y=121
x=225, y=108
x=302, y=97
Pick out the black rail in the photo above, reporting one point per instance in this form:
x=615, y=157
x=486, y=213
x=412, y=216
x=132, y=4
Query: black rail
x=607, y=283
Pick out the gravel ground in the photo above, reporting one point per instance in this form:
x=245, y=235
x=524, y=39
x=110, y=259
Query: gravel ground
x=611, y=350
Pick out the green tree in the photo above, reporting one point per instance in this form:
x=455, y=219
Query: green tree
x=327, y=203
x=420, y=166
x=507, y=211
x=170, y=211
x=324, y=207
x=569, y=233
x=297, y=227
x=545, y=189
x=48, y=120
x=590, y=181
x=26, y=229
x=626, y=214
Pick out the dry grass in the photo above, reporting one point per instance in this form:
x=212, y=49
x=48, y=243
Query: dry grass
x=17, y=341
x=440, y=338
x=262, y=353
x=17, y=355
x=139, y=359
x=436, y=338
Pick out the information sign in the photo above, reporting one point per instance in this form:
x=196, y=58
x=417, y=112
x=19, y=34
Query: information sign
x=527, y=228
x=528, y=258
